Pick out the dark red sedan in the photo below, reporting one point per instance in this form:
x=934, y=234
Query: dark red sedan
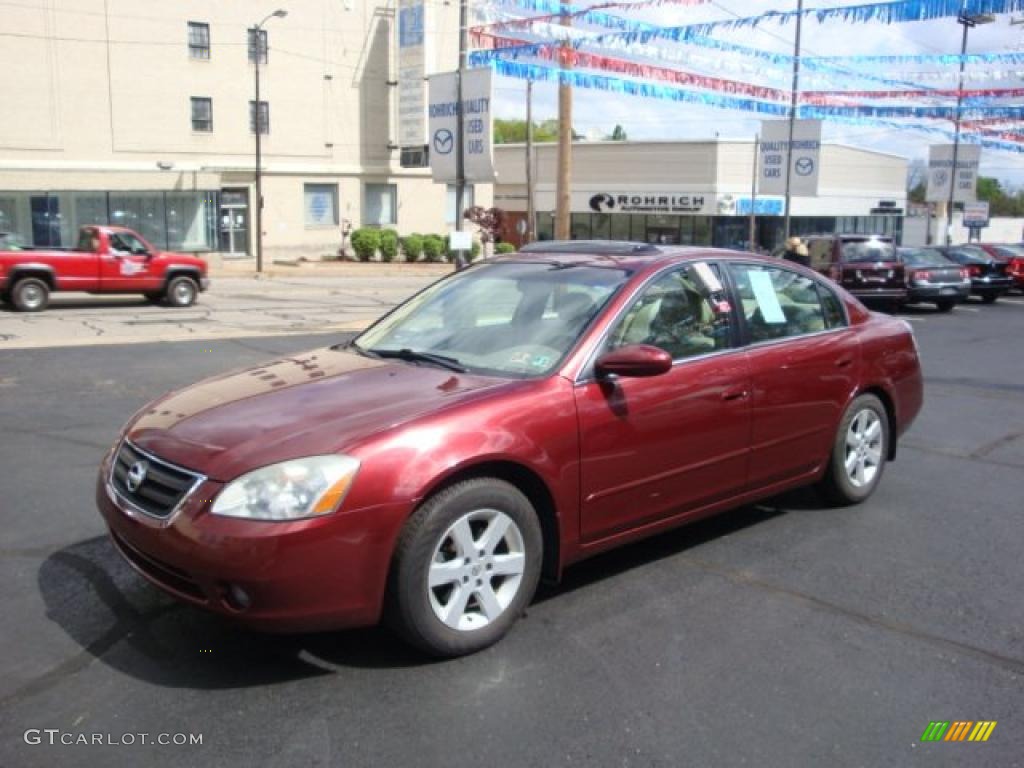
x=507, y=421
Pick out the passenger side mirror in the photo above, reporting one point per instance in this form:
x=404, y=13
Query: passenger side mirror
x=634, y=360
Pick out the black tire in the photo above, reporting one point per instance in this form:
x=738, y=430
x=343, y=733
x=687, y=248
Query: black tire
x=30, y=294
x=413, y=606
x=989, y=298
x=945, y=305
x=839, y=485
x=181, y=292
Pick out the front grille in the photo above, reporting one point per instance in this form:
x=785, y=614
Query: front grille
x=163, y=486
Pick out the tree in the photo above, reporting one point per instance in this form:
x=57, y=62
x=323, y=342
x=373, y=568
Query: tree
x=618, y=133
x=917, y=180
x=488, y=219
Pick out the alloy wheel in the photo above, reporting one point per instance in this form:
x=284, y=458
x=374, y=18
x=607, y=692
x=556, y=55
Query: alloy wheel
x=476, y=570
x=864, y=448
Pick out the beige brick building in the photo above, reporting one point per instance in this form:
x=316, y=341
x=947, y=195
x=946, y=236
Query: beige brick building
x=141, y=112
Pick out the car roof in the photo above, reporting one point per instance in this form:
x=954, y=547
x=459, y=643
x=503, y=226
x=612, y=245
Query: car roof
x=621, y=254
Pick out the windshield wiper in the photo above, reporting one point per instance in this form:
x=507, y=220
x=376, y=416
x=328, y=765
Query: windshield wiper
x=413, y=356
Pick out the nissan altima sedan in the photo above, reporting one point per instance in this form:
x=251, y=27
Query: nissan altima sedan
x=502, y=424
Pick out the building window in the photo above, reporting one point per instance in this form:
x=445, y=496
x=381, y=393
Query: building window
x=467, y=202
x=198, y=40
x=262, y=45
x=379, y=208
x=321, y=204
x=264, y=117
x=202, y=114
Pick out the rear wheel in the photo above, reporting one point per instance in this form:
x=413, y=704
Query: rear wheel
x=858, y=452
x=989, y=298
x=945, y=305
x=182, y=292
x=30, y=294
x=466, y=567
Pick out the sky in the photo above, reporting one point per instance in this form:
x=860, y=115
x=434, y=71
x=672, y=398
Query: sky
x=596, y=112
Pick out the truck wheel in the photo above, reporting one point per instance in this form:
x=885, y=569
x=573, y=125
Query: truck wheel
x=182, y=292
x=30, y=294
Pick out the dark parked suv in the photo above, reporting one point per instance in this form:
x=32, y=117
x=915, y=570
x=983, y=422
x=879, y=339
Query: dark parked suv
x=865, y=265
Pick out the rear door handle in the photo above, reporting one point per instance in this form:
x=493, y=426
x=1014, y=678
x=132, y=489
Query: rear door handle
x=734, y=394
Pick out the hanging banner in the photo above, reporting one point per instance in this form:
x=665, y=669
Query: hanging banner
x=804, y=159
x=477, y=126
x=412, y=57
x=941, y=175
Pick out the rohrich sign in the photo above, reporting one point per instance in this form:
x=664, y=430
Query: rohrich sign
x=648, y=202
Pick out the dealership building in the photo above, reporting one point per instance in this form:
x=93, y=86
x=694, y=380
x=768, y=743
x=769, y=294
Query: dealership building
x=144, y=115
x=698, y=192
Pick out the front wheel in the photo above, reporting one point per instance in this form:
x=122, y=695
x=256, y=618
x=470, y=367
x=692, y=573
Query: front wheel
x=858, y=452
x=182, y=292
x=466, y=567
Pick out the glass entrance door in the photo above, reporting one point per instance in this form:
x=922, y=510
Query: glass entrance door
x=233, y=222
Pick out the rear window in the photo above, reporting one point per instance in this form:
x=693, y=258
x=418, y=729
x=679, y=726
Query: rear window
x=868, y=250
x=925, y=257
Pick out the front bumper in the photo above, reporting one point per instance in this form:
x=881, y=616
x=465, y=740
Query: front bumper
x=318, y=574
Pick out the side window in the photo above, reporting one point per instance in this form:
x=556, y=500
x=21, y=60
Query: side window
x=835, y=316
x=777, y=303
x=123, y=242
x=673, y=313
x=820, y=252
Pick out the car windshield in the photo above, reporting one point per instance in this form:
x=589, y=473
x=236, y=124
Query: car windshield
x=926, y=257
x=868, y=250
x=516, y=319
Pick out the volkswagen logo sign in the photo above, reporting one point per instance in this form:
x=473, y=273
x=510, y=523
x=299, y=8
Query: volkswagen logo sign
x=602, y=202
x=136, y=475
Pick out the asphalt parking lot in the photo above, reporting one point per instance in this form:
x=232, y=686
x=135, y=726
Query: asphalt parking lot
x=785, y=634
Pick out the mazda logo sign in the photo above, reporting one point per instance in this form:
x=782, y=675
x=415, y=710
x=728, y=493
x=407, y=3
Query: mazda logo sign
x=136, y=475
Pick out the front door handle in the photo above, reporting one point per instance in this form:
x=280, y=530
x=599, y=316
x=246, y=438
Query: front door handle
x=845, y=362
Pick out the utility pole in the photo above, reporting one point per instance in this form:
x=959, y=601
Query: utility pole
x=531, y=213
x=794, y=95
x=258, y=125
x=753, y=195
x=563, y=194
x=460, y=157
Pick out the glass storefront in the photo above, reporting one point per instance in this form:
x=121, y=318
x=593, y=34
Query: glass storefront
x=174, y=221
x=716, y=231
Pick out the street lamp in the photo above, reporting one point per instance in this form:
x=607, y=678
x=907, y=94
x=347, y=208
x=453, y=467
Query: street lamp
x=278, y=14
x=968, y=21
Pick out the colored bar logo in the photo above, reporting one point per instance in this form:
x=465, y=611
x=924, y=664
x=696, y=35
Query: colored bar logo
x=958, y=730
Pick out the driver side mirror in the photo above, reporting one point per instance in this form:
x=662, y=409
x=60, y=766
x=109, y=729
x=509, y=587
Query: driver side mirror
x=634, y=360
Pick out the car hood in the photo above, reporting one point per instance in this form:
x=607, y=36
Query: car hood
x=316, y=403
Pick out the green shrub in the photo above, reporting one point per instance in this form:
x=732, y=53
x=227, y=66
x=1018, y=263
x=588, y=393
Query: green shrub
x=504, y=248
x=365, y=242
x=388, y=245
x=433, y=247
x=412, y=246
x=449, y=254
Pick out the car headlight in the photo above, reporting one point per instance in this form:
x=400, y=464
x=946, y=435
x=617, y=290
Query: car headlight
x=291, y=490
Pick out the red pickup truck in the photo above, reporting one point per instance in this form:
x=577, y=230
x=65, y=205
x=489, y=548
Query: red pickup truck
x=105, y=260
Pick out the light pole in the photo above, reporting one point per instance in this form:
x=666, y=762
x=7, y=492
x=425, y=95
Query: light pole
x=967, y=21
x=257, y=125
